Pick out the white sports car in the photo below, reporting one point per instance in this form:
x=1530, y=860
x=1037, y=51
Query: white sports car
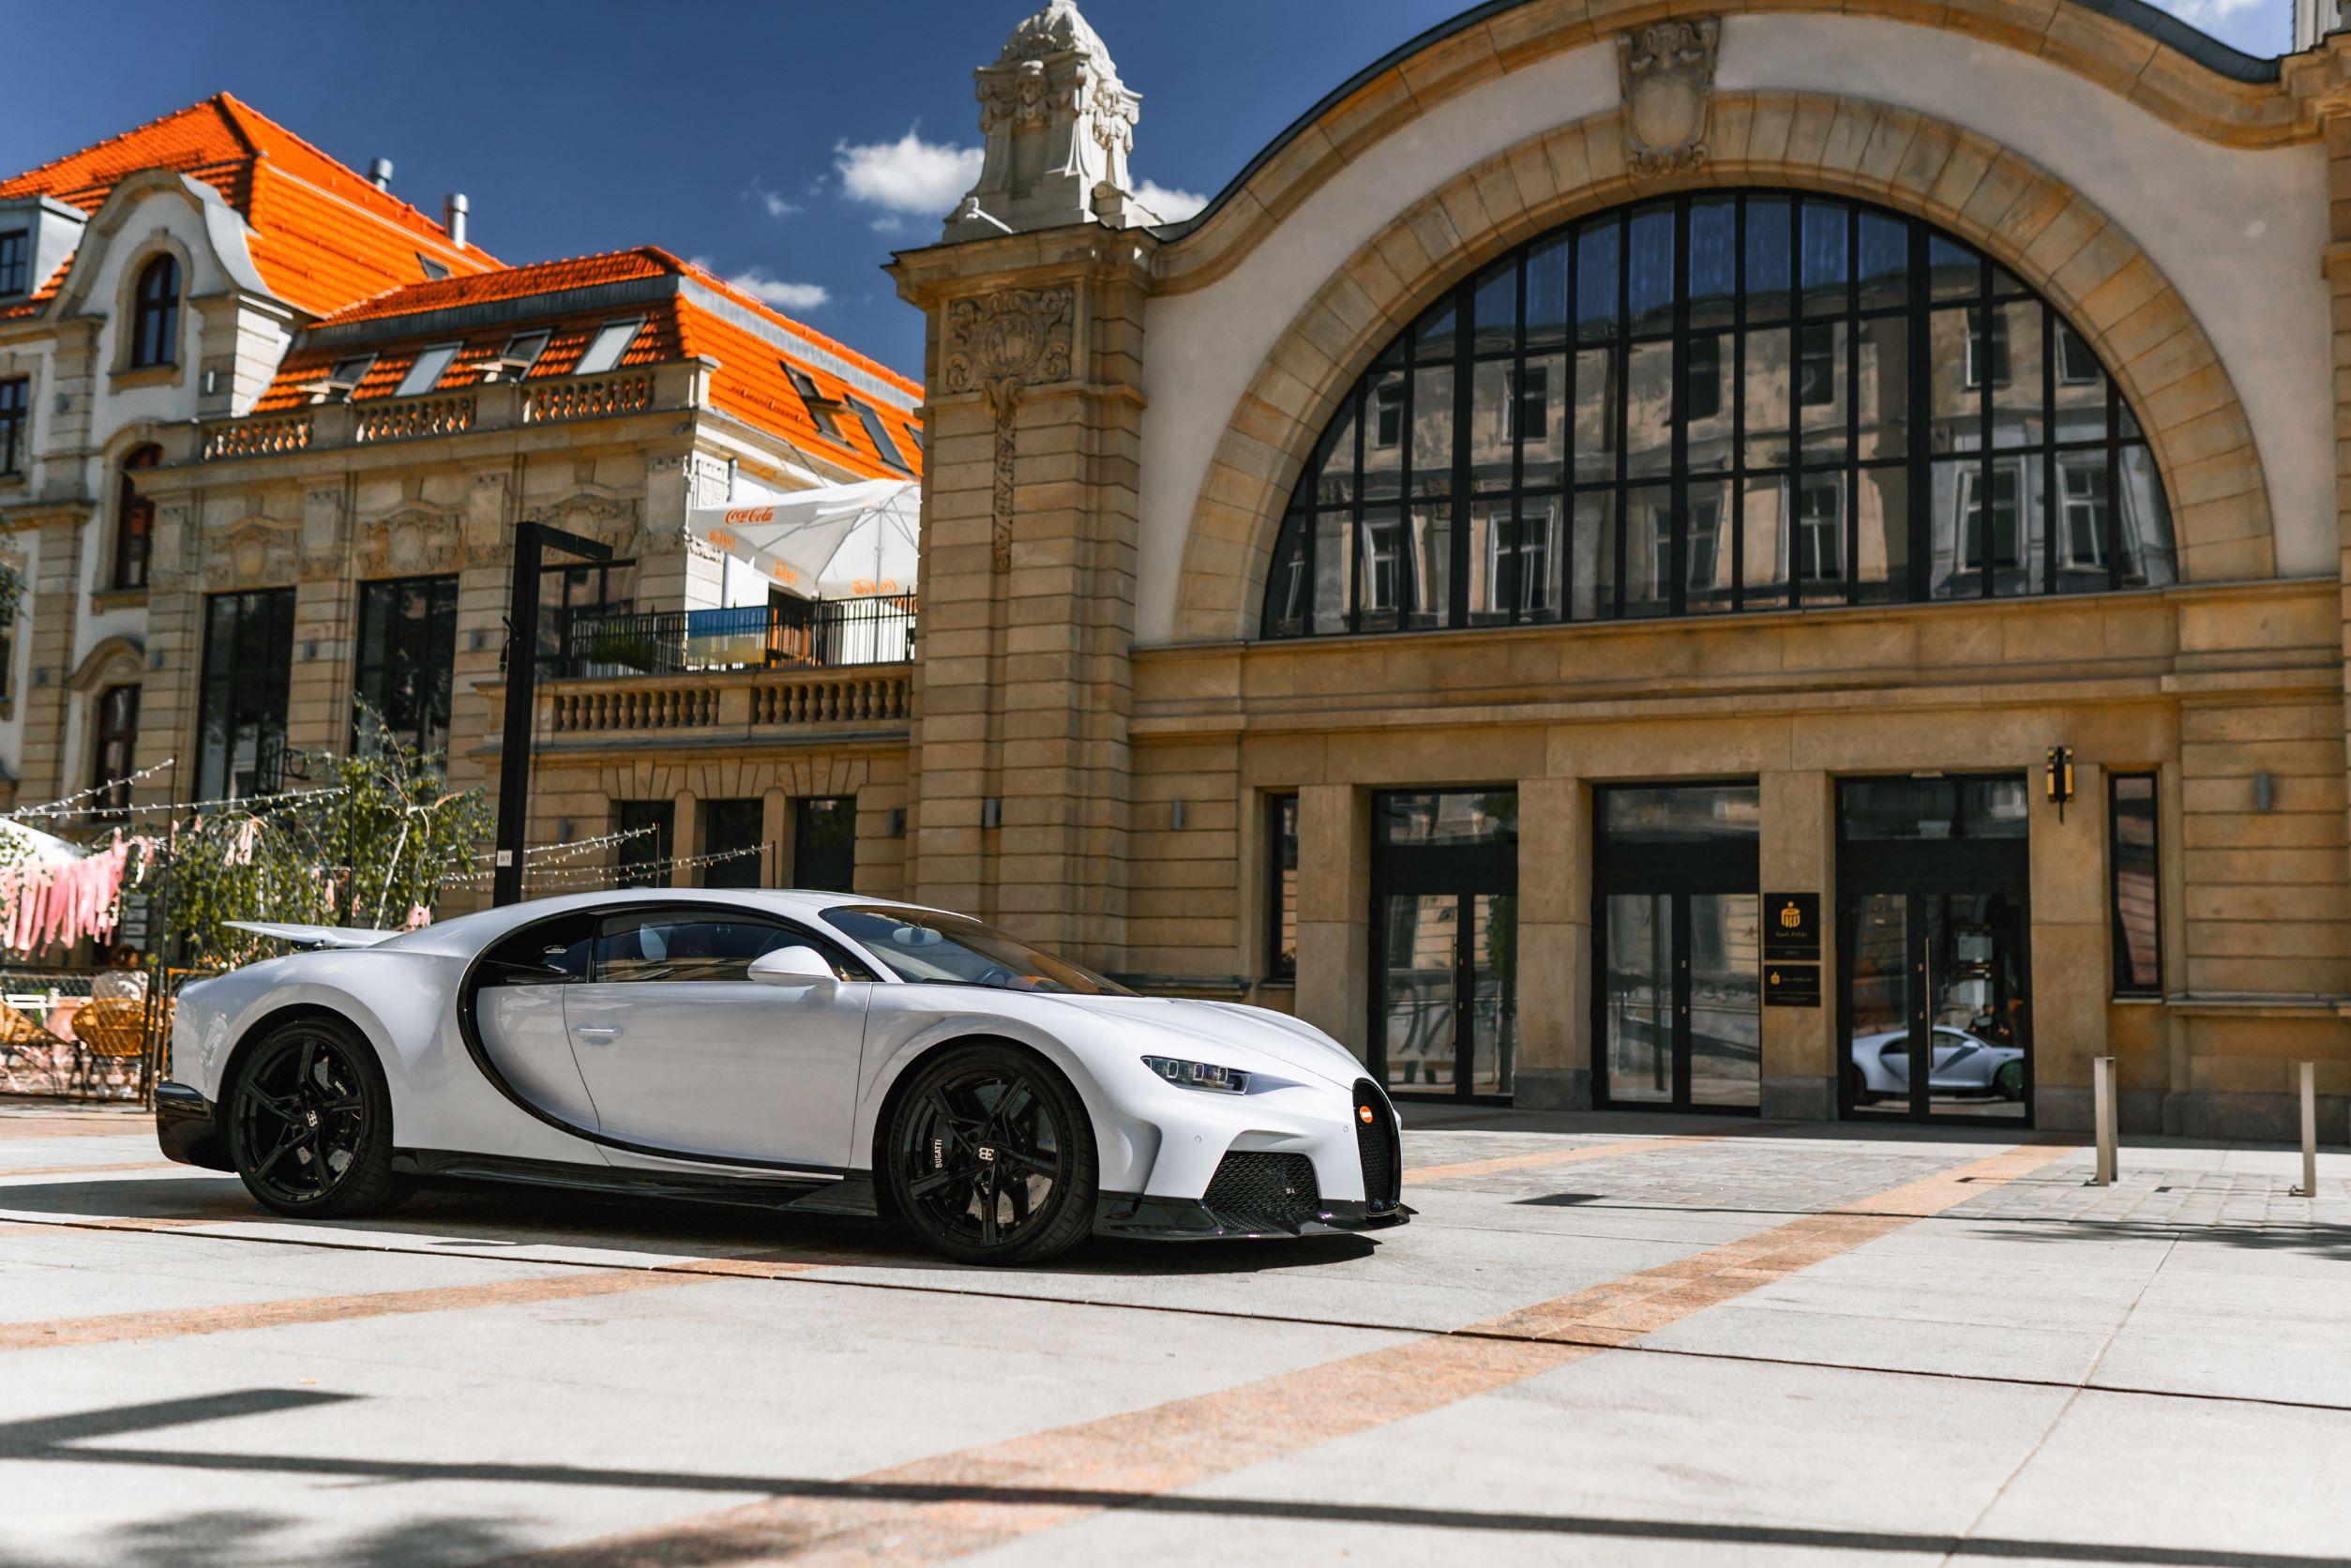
x=810, y=1051
x=1958, y=1063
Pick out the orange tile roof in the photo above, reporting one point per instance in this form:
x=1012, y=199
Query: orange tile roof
x=323, y=236
x=750, y=382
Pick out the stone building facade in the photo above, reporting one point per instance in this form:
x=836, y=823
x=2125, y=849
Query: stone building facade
x=1901, y=660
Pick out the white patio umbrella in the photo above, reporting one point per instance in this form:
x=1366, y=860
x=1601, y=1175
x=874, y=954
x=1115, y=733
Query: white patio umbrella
x=27, y=843
x=835, y=542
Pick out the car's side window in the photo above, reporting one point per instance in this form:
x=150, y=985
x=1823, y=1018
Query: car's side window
x=549, y=952
x=676, y=945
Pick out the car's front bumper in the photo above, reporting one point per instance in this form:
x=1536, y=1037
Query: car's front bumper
x=188, y=1128
x=1188, y=1219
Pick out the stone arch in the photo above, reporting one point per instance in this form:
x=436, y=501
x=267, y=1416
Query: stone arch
x=2020, y=214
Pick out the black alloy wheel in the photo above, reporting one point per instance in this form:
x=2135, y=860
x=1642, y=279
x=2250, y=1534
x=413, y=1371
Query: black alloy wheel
x=991, y=1158
x=311, y=1124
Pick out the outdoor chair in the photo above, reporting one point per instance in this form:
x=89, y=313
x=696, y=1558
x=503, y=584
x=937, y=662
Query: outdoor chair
x=20, y=1032
x=110, y=1030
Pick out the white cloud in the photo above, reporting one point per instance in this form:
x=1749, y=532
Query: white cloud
x=2201, y=11
x=1169, y=204
x=768, y=200
x=781, y=294
x=909, y=174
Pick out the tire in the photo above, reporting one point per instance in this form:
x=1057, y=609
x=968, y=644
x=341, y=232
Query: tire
x=2010, y=1081
x=949, y=1149
x=309, y=1123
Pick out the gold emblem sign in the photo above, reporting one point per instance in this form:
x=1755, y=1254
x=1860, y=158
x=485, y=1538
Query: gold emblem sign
x=1790, y=917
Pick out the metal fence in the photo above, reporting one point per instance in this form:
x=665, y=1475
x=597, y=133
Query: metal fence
x=787, y=634
x=59, y=1040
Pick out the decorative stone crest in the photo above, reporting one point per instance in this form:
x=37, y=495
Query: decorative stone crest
x=253, y=553
x=997, y=345
x=1666, y=71
x=413, y=541
x=1057, y=124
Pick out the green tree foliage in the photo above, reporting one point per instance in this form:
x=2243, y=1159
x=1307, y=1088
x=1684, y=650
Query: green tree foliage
x=363, y=840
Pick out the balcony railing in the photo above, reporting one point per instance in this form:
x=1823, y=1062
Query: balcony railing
x=861, y=699
x=795, y=634
x=483, y=406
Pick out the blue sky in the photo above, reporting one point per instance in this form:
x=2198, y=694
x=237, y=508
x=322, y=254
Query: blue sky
x=788, y=144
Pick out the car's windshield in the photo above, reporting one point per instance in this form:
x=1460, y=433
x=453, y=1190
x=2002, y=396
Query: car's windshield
x=950, y=949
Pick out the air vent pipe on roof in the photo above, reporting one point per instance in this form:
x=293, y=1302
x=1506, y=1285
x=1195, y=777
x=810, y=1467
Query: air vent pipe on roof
x=379, y=172
x=453, y=212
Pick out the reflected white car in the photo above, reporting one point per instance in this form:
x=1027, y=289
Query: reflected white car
x=806, y=1051
x=1958, y=1063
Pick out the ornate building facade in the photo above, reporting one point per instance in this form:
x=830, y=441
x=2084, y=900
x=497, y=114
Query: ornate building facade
x=1783, y=559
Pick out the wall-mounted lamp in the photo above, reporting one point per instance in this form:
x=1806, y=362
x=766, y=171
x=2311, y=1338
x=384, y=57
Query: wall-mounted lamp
x=898, y=822
x=2058, y=770
x=2265, y=792
x=1175, y=817
x=991, y=812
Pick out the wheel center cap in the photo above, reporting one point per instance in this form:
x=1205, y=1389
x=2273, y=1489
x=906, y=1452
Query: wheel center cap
x=310, y=1118
x=988, y=1154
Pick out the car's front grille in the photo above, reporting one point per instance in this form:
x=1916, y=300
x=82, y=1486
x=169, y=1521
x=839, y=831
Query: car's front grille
x=1376, y=1142
x=1255, y=1187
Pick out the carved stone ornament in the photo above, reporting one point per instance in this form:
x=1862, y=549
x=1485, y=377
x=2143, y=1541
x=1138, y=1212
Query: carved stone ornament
x=996, y=345
x=252, y=553
x=413, y=541
x=1056, y=125
x=1666, y=71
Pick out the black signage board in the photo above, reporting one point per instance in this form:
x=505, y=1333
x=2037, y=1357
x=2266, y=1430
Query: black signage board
x=1791, y=985
x=1791, y=927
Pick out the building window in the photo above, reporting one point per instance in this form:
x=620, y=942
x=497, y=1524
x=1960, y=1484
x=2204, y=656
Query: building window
x=731, y=828
x=134, y=521
x=819, y=407
x=426, y=370
x=2138, y=941
x=585, y=593
x=241, y=711
x=15, y=396
x=155, y=321
x=522, y=352
x=644, y=847
x=1710, y=397
x=15, y=263
x=2083, y=540
x=349, y=371
x=611, y=340
x=824, y=844
x=434, y=271
x=879, y=434
x=117, y=735
x=1281, y=887
x=407, y=661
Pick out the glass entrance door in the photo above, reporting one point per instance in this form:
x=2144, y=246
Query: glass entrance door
x=1680, y=998
x=1932, y=927
x=1445, y=942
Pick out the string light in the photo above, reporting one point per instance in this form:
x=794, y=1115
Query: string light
x=633, y=868
x=57, y=808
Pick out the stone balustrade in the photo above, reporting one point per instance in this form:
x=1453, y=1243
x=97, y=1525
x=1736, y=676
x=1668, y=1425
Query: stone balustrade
x=261, y=437
x=586, y=397
x=637, y=707
x=411, y=416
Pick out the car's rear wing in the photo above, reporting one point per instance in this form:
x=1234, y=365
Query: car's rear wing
x=314, y=936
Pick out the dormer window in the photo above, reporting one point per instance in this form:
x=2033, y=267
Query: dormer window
x=611, y=340
x=155, y=322
x=427, y=370
x=879, y=434
x=15, y=264
x=821, y=408
x=345, y=377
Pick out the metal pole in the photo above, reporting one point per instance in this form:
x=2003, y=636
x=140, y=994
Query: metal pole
x=2309, y=1076
x=514, y=747
x=2103, y=1087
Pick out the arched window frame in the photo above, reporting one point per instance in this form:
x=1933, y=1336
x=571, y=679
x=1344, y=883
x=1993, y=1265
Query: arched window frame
x=1408, y=544
x=134, y=521
x=155, y=315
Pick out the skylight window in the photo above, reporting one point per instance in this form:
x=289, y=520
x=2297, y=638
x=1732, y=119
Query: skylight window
x=612, y=341
x=349, y=372
x=522, y=352
x=820, y=406
x=429, y=364
x=879, y=434
x=434, y=271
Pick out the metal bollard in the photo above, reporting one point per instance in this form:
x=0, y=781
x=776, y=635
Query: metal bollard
x=2309, y=1131
x=2102, y=1090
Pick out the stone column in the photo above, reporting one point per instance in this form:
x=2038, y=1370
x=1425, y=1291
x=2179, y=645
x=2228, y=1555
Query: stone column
x=1797, y=856
x=686, y=839
x=2070, y=959
x=1555, y=953
x=1335, y=913
x=55, y=602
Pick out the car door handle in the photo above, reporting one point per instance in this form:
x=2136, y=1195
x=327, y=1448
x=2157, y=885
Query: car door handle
x=597, y=1031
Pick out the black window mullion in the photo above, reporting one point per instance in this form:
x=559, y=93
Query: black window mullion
x=1465, y=373
x=1987, y=488
x=1919, y=392
x=1514, y=395
x=1792, y=511
x=2114, y=484
x=1570, y=399
x=1678, y=414
x=1849, y=480
x=1737, y=502
x=1620, y=363
x=2052, y=504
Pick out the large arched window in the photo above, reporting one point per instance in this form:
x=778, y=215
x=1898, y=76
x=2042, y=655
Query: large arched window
x=134, y=519
x=1731, y=401
x=155, y=321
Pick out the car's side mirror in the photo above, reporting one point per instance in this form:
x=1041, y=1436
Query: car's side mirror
x=796, y=965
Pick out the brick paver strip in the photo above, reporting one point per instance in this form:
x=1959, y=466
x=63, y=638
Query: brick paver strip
x=1413, y=1173
x=8, y=1175
x=1148, y=1452
x=69, y=1124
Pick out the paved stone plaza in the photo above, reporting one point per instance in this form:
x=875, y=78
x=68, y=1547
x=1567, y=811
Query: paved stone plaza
x=1627, y=1340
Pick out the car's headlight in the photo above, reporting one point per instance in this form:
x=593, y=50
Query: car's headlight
x=1199, y=1075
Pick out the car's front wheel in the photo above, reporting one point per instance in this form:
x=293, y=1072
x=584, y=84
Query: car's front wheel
x=991, y=1157
x=310, y=1123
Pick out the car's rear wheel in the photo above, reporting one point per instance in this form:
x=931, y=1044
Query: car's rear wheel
x=2010, y=1081
x=310, y=1123
x=991, y=1157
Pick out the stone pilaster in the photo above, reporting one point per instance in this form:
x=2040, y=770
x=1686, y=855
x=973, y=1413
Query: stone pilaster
x=55, y=603
x=1796, y=854
x=1333, y=912
x=1554, y=955
x=2071, y=956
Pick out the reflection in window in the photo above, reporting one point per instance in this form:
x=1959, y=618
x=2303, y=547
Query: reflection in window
x=155, y=320
x=2138, y=946
x=1626, y=406
x=644, y=847
x=1453, y=817
x=247, y=675
x=407, y=661
x=1281, y=886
